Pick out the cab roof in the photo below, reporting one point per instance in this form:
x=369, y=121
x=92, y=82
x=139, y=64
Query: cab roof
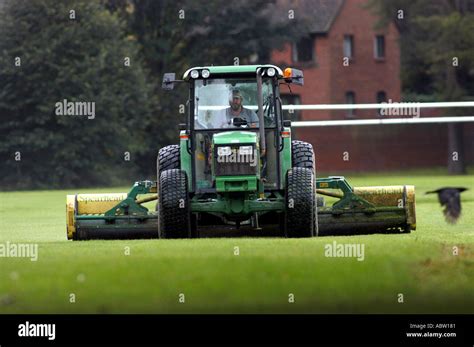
x=232, y=70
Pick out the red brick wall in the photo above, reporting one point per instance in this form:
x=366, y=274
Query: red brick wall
x=327, y=80
x=316, y=74
x=373, y=147
x=365, y=75
x=385, y=147
x=390, y=147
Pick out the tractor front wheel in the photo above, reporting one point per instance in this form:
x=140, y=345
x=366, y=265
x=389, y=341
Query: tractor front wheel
x=301, y=210
x=174, y=215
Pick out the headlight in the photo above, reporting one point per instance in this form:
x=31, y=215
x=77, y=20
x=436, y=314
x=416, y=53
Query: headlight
x=224, y=151
x=271, y=72
x=245, y=150
x=205, y=73
x=194, y=74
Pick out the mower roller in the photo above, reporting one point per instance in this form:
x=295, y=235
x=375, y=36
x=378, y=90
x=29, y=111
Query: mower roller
x=237, y=165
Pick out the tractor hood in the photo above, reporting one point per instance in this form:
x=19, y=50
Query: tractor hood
x=234, y=137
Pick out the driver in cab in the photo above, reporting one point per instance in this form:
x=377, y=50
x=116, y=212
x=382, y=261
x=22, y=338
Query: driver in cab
x=237, y=112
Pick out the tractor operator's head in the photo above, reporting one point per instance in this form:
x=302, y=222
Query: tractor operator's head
x=235, y=100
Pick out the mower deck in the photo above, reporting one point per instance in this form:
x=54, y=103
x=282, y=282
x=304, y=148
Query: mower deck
x=359, y=210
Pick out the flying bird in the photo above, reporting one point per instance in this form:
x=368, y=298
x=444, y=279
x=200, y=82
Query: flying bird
x=450, y=199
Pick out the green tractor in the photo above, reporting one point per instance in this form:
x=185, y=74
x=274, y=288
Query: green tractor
x=237, y=165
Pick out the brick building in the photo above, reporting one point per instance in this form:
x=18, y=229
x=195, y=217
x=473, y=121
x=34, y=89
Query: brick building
x=346, y=60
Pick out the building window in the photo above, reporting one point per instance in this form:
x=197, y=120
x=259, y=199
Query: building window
x=291, y=99
x=381, y=97
x=350, y=99
x=348, y=46
x=379, y=47
x=303, y=50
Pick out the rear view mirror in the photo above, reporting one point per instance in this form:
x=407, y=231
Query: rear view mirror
x=168, y=81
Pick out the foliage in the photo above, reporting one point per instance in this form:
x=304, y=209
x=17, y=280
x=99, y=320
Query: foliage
x=175, y=35
x=437, y=44
x=80, y=59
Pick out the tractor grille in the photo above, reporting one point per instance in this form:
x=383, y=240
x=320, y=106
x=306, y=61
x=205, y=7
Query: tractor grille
x=235, y=164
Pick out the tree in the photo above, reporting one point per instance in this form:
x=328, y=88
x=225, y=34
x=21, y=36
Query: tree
x=78, y=51
x=178, y=34
x=437, y=41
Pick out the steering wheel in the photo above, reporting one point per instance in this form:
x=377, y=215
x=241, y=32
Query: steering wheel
x=239, y=122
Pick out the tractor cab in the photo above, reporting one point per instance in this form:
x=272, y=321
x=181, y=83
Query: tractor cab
x=234, y=127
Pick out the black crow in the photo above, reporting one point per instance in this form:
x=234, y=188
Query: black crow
x=450, y=199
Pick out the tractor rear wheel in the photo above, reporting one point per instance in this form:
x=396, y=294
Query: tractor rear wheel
x=302, y=154
x=301, y=210
x=168, y=158
x=174, y=215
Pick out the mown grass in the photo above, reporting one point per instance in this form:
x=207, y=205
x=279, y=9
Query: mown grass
x=420, y=265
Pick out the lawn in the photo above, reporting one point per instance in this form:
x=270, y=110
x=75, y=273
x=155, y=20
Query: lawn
x=105, y=278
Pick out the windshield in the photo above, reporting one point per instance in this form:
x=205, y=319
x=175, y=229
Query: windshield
x=231, y=103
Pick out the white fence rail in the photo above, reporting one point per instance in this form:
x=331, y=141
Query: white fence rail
x=385, y=120
x=392, y=105
x=355, y=106
x=323, y=123
x=403, y=107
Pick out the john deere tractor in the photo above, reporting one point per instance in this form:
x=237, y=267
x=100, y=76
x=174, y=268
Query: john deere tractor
x=236, y=164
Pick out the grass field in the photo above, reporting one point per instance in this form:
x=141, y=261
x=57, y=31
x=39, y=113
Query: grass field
x=420, y=265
